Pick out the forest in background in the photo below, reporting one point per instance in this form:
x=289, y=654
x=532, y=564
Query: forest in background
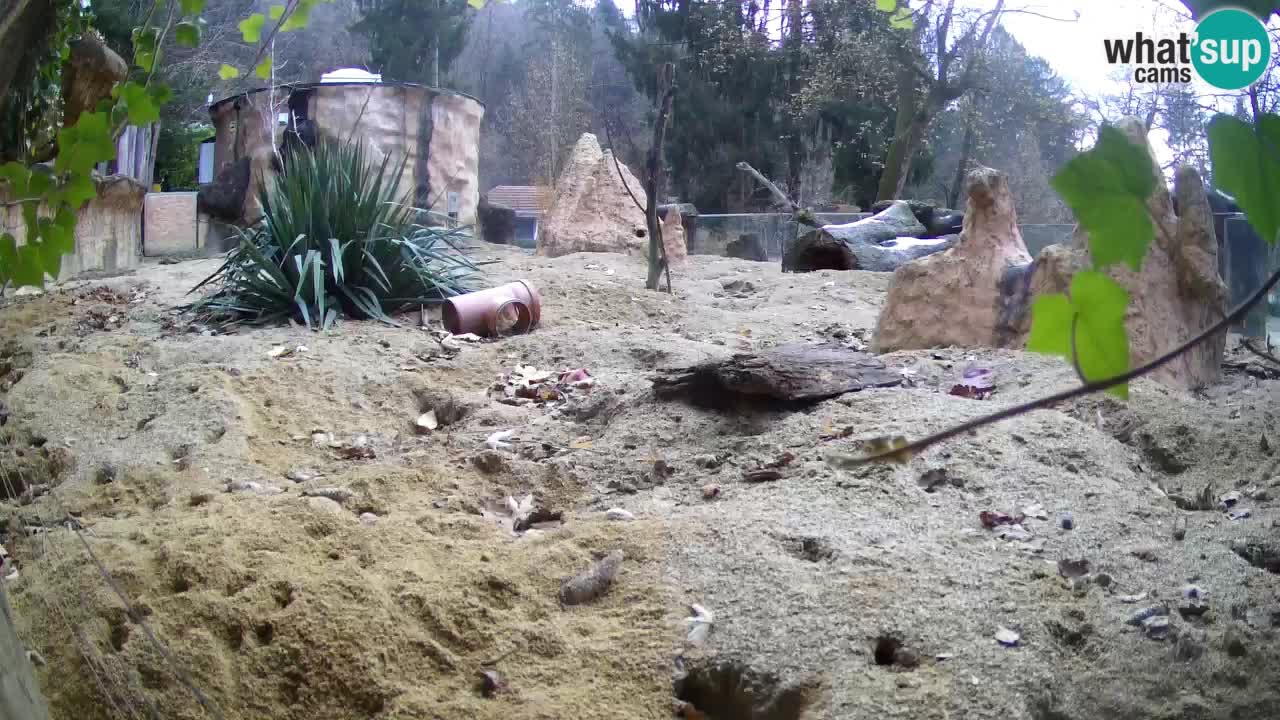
x=822, y=96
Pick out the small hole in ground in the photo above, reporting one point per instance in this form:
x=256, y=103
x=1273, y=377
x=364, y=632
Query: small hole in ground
x=265, y=633
x=733, y=691
x=886, y=650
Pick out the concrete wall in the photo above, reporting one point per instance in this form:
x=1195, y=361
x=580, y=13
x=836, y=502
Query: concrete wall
x=108, y=229
x=436, y=130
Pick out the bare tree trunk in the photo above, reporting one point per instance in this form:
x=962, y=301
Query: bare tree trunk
x=653, y=180
x=893, y=178
x=962, y=167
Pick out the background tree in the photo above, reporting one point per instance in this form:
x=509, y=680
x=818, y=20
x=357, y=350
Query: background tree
x=414, y=40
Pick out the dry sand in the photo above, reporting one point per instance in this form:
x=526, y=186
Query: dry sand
x=283, y=606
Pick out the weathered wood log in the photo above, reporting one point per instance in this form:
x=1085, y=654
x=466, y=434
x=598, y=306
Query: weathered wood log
x=880, y=243
x=787, y=374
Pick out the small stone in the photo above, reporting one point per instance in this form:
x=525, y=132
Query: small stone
x=1145, y=553
x=489, y=462
x=1102, y=580
x=1066, y=521
x=339, y=495
x=1156, y=627
x=1073, y=568
x=618, y=514
x=1141, y=616
x=1239, y=513
x=324, y=505
x=1007, y=637
x=710, y=492
x=368, y=519
x=709, y=462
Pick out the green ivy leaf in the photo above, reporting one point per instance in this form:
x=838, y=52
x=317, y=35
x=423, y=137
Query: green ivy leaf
x=18, y=177
x=55, y=241
x=1097, y=307
x=300, y=17
x=146, y=47
x=160, y=93
x=276, y=12
x=251, y=28
x=1107, y=189
x=887, y=5
x=477, y=4
x=227, y=72
x=19, y=265
x=192, y=7
x=1246, y=164
x=187, y=34
x=78, y=190
x=142, y=110
x=901, y=20
x=85, y=144
x=41, y=183
x=263, y=69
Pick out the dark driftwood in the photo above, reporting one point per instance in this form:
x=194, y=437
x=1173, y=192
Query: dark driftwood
x=787, y=374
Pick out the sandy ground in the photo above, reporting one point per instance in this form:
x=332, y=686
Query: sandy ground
x=835, y=593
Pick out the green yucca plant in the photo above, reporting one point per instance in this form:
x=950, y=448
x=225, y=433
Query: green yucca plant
x=336, y=238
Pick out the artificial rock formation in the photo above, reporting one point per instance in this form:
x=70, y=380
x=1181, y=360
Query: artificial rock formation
x=90, y=71
x=879, y=243
x=1177, y=293
x=673, y=236
x=958, y=297
x=593, y=210
x=979, y=294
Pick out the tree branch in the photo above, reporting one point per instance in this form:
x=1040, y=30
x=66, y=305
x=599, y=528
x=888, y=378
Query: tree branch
x=908, y=451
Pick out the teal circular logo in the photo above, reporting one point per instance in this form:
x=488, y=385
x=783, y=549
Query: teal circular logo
x=1232, y=49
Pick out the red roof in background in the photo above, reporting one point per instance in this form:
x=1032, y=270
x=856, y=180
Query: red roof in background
x=524, y=199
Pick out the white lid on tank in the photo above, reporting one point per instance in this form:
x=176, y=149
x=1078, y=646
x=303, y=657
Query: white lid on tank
x=350, y=75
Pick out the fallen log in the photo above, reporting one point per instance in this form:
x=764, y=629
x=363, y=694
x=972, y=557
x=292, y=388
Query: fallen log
x=788, y=374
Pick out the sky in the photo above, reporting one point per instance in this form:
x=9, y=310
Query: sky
x=1074, y=49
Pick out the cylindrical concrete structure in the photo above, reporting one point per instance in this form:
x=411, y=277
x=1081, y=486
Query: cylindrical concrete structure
x=438, y=131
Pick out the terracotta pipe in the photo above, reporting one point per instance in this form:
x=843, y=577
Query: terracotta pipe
x=514, y=308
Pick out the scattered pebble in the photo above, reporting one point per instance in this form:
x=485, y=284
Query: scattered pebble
x=1131, y=599
x=325, y=505
x=1066, y=521
x=699, y=624
x=339, y=495
x=1007, y=637
x=618, y=514
x=1239, y=513
x=491, y=683
x=426, y=422
x=300, y=476
x=1073, y=568
x=592, y=582
x=253, y=487
x=1156, y=627
x=1103, y=580
x=1141, y=616
x=1194, y=602
x=368, y=519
